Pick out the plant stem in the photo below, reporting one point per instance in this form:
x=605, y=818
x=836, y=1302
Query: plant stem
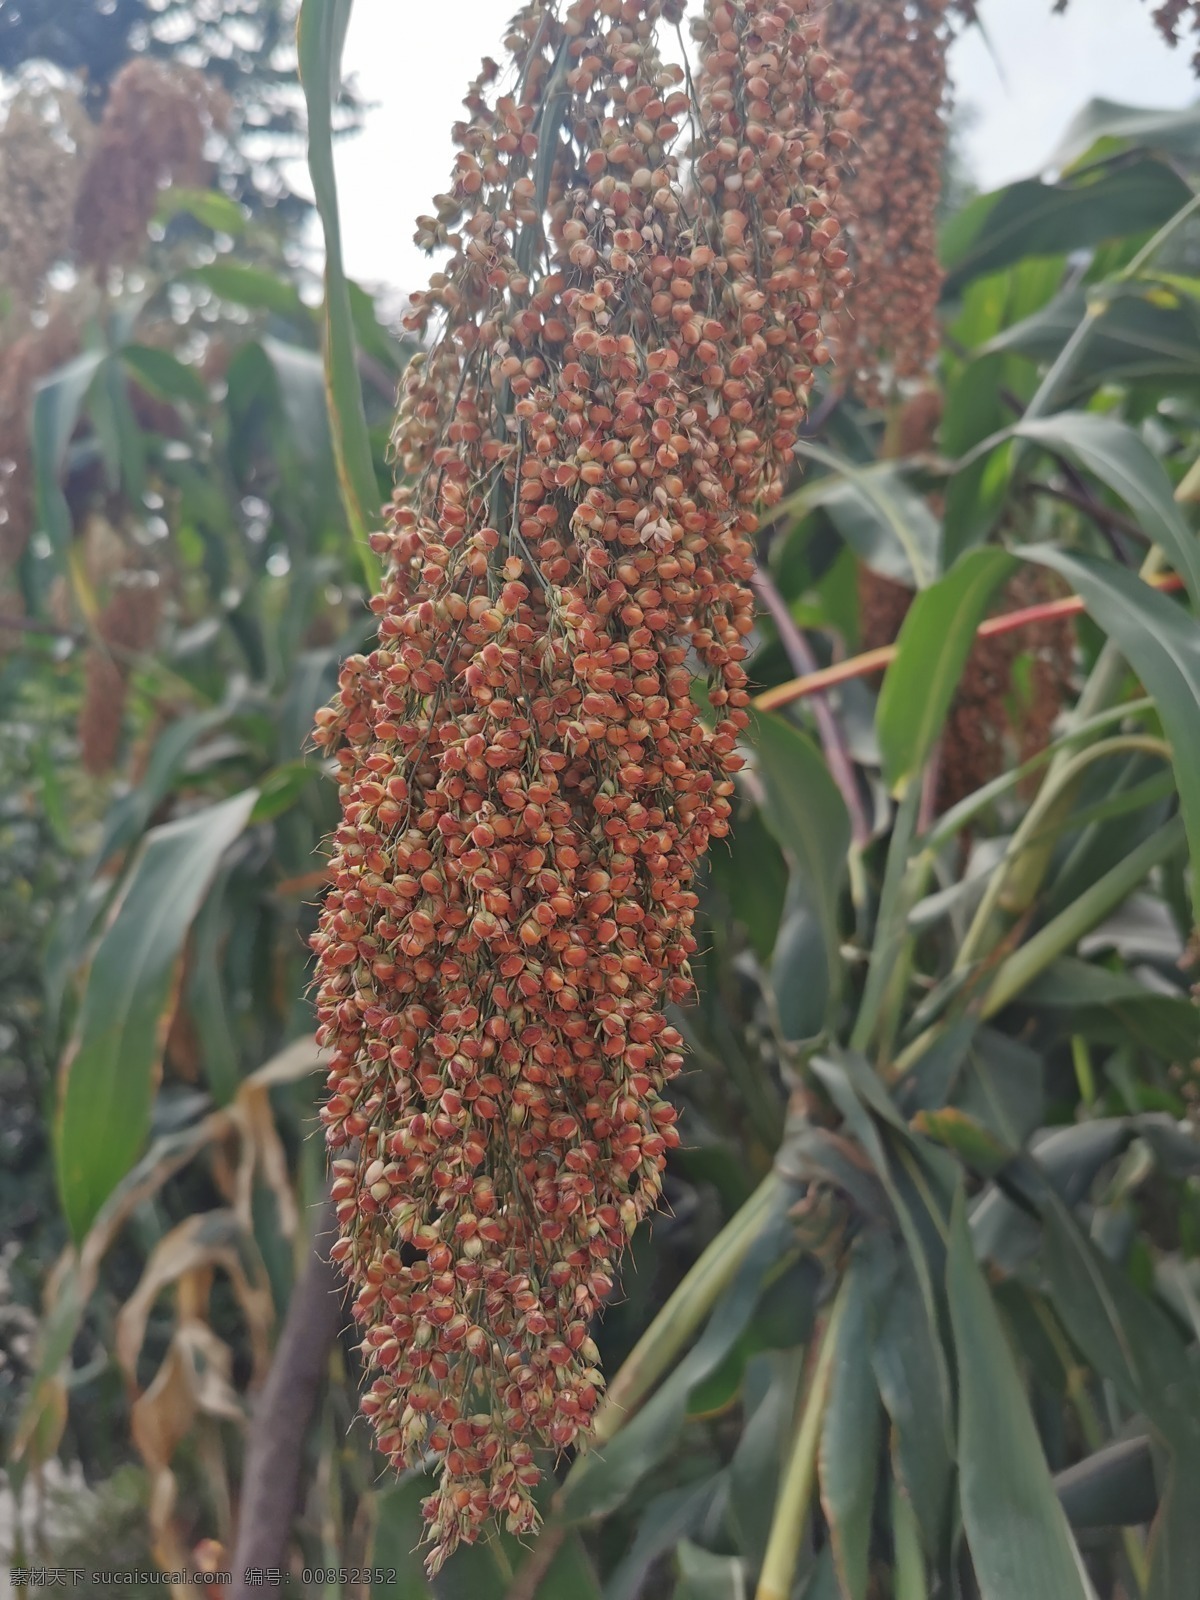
x=800, y=1474
x=1080, y=917
x=872, y=661
x=1051, y=386
x=952, y=822
x=1053, y=798
x=675, y=1324
x=900, y=889
x=833, y=740
x=275, y=1448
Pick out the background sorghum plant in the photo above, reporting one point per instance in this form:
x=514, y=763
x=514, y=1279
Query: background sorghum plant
x=895, y=57
x=616, y=379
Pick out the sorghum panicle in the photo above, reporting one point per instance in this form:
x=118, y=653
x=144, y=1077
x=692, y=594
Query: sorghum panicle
x=895, y=57
x=617, y=373
x=157, y=120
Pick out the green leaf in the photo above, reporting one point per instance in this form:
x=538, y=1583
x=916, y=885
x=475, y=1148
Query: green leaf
x=974, y=412
x=1175, y=1535
x=1018, y=1534
x=667, y=1518
x=209, y=207
x=850, y=1436
x=1161, y=642
x=932, y=649
x=906, y=1367
x=1120, y=458
x=804, y=809
x=321, y=35
x=1102, y=1004
x=57, y=403
x=606, y=1478
x=163, y=375
x=800, y=974
x=1112, y=1488
x=1124, y=1335
x=130, y=813
x=118, y=434
x=887, y=523
x=1134, y=334
x=280, y=789
x=1148, y=128
x=1126, y=197
x=705, y=1576
x=972, y=1142
x=301, y=380
x=112, y=1063
x=204, y=993
x=253, y=287
x=751, y=873
x=399, y=1529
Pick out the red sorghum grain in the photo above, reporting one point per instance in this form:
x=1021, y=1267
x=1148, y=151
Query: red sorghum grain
x=616, y=378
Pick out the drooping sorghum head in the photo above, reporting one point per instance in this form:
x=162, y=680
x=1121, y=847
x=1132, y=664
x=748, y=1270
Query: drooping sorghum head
x=895, y=57
x=156, y=123
x=618, y=362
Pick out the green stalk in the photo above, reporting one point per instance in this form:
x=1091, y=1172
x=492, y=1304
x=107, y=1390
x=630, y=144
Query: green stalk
x=952, y=822
x=1080, y=917
x=1051, y=385
x=800, y=1474
x=677, y=1322
x=1015, y=882
x=908, y=1565
x=890, y=931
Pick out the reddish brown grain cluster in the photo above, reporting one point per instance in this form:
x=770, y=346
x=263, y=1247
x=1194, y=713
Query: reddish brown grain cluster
x=617, y=377
x=157, y=121
x=895, y=57
x=1170, y=16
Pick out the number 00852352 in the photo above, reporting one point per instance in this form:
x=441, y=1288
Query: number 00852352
x=348, y=1575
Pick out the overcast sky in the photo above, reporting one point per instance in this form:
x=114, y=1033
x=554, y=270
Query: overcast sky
x=1023, y=85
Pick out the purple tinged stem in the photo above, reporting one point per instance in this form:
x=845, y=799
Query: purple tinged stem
x=833, y=740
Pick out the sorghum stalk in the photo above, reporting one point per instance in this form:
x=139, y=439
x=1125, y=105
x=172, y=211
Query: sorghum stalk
x=618, y=370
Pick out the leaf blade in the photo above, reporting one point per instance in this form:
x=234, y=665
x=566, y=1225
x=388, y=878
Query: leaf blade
x=932, y=649
x=321, y=34
x=1018, y=1534
x=109, y=1071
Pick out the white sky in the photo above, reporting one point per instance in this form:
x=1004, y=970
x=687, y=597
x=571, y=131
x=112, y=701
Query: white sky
x=415, y=61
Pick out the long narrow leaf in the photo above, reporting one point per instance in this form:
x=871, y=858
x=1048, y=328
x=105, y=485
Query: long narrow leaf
x=1160, y=641
x=807, y=815
x=113, y=1060
x=321, y=35
x=932, y=651
x=1120, y=458
x=1018, y=1534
